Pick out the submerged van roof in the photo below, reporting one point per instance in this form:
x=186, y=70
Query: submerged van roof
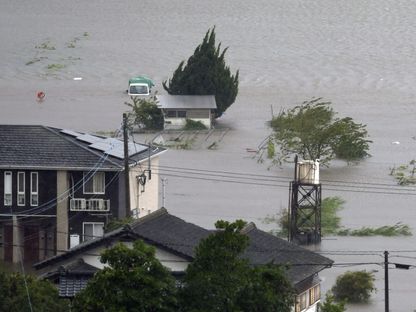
x=142, y=79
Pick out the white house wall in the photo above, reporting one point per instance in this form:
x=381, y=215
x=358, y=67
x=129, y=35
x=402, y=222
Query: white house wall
x=144, y=198
x=178, y=123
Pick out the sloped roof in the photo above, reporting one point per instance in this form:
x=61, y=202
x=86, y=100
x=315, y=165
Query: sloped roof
x=41, y=147
x=266, y=248
x=186, y=101
x=173, y=234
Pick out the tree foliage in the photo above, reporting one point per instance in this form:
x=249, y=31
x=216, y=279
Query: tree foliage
x=219, y=279
x=312, y=131
x=354, y=286
x=205, y=73
x=134, y=281
x=145, y=113
x=405, y=174
x=25, y=293
x=330, y=305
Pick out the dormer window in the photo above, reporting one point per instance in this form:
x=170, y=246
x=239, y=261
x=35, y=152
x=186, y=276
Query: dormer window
x=94, y=184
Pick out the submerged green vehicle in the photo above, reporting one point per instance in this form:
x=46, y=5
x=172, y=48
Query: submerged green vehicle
x=140, y=85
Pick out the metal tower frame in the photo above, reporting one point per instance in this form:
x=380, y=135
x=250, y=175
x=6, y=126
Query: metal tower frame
x=305, y=213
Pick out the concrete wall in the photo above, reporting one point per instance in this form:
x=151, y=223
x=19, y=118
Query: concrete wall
x=62, y=205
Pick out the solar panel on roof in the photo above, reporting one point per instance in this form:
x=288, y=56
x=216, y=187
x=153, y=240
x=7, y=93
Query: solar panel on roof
x=115, y=147
x=110, y=146
x=89, y=138
x=70, y=132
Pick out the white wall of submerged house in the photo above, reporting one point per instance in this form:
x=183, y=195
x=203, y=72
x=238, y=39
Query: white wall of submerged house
x=179, y=123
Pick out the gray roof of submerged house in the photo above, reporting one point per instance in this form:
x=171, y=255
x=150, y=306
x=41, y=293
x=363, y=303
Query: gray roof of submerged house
x=186, y=101
x=42, y=147
x=177, y=236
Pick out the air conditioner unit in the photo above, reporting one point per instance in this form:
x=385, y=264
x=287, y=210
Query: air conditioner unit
x=78, y=204
x=96, y=204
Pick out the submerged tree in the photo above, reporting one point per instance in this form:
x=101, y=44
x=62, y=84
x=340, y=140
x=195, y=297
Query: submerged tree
x=312, y=131
x=205, y=73
x=145, y=113
x=354, y=286
x=219, y=279
x=134, y=280
x=330, y=305
x=330, y=221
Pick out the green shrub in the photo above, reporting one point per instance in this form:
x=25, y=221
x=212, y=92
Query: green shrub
x=194, y=125
x=354, y=286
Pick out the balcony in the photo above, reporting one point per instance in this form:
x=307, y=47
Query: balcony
x=93, y=204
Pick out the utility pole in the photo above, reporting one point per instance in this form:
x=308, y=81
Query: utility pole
x=164, y=180
x=386, y=281
x=126, y=165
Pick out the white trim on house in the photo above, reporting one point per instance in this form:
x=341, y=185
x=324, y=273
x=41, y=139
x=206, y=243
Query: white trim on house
x=34, y=189
x=97, y=230
x=95, y=183
x=21, y=200
x=8, y=188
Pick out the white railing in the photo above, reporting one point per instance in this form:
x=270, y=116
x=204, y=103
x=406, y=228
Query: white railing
x=93, y=204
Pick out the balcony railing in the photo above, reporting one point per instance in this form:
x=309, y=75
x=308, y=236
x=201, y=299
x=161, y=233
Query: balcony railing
x=93, y=204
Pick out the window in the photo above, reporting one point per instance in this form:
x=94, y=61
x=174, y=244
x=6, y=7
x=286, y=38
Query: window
x=301, y=302
x=94, y=184
x=176, y=114
x=92, y=230
x=314, y=294
x=7, y=188
x=20, y=188
x=182, y=114
x=34, y=196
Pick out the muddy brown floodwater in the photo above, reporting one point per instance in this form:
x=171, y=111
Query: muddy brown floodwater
x=358, y=54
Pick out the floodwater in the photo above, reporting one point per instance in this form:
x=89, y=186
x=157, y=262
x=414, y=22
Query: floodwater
x=358, y=54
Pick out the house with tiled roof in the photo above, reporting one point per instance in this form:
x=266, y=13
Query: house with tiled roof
x=175, y=240
x=59, y=187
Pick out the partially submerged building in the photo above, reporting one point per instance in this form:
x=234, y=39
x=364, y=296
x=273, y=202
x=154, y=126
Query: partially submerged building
x=177, y=109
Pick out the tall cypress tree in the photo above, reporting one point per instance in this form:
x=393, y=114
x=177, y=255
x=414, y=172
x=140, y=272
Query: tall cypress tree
x=205, y=73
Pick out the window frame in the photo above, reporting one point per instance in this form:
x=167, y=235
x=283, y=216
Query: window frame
x=314, y=294
x=21, y=193
x=93, y=230
x=92, y=180
x=8, y=197
x=32, y=192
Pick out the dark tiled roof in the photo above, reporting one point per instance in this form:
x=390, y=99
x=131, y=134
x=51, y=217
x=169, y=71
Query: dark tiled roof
x=41, y=147
x=172, y=233
x=177, y=236
x=266, y=248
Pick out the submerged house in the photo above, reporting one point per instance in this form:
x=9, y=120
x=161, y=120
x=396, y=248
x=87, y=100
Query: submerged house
x=60, y=187
x=175, y=241
x=177, y=109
